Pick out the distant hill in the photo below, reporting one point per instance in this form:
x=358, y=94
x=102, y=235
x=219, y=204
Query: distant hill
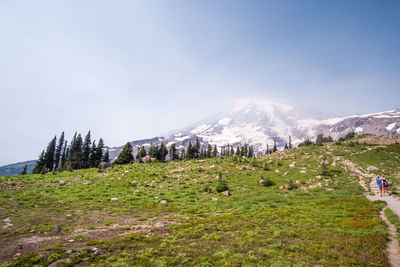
x=16, y=168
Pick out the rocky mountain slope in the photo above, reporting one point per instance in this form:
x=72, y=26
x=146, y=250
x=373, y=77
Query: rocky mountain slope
x=259, y=122
x=16, y=168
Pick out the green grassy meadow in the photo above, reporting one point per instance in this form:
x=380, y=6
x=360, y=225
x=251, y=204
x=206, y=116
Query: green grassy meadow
x=170, y=214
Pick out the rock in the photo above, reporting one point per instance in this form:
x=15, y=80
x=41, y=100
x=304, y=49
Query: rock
x=127, y=171
x=281, y=187
x=353, y=175
x=293, y=164
x=318, y=176
x=104, y=165
x=303, y=172
x=261, y=182
x=214, y=199
x=133, y=182
x=157, y=197
x=285, y=195
x=324, y=162
x=69, y=251
x=159, y=224
x=226, y=193
x=163, y=201
x=298, y=182
x=330, y=189
x=383, y=164
x=335, y=164
x=61, y=182
x=286, y=173
x=372, y=168
x=277, y=171
x=71, y=240
x=7, y=223
x=304, y=168
x=113, y=198
x=94, y=249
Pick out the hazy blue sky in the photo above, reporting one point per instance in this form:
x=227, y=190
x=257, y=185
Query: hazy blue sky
x=133, y=69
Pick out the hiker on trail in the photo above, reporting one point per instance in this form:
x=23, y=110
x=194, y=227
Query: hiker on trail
x=379, y=183
x=385, y=186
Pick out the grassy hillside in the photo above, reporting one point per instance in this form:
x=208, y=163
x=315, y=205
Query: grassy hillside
x=164, y=214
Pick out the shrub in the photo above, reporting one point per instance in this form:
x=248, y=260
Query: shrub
x=291, y=185
x=222, y=186
x=268, y=182
x=306, y=142
x=207, y=189
x=265, y=167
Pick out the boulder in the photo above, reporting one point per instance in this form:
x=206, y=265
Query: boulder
x=324, y=162
x=293, y=164
x=372, y=168
x=335, y=164
x=383, y=164
x=303, y=172
x=163, y=201
x=61, y=182
x=226, y=193
x=261, y=182
x=104, y=165
x=113, y=198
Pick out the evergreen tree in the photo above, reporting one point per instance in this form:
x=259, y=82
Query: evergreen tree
x=63, y=156
x=189, y=151
x=286, y=146
x=99, y=152
x=106, y=156
x=125, y=156
x=242, y=151
x=39, y=165
x=75, y=153
x=215, y=151
x=196, y=149
x=232, y=151
x=142, y=153
x=49, y=155
x=209, y=151
x=24, y=171
x=251, y=152
x=153, y=152
x=267, y=149
x=172, y=152
x=202, y=153
x=245, y=150
x=86, y=151
x=183, y=156
x=162, y=152
x=59, y=151
x=290, y=143
x=237, y=151
x=92, y=157
x=275, y=147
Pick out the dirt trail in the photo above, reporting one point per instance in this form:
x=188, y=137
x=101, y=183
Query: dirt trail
x=393, y=245
x=393, y=203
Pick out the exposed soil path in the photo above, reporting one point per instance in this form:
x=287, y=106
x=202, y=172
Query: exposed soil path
x=393, y=245
x=393, y=203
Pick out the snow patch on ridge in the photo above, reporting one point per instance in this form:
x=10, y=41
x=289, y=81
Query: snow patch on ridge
x=199, y=129
x=224, y=121
x=391, y=126
x=358, y=130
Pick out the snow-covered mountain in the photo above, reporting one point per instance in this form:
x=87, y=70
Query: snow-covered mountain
x=259, y=122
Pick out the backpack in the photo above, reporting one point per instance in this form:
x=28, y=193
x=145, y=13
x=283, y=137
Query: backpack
x=385, y=183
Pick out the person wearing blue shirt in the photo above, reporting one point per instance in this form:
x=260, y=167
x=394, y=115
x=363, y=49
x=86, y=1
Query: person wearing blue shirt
x=379, y=183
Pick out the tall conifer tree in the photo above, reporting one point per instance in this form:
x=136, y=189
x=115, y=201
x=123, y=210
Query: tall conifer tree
x=125, y=156
x=86, y=151
x=59, y=151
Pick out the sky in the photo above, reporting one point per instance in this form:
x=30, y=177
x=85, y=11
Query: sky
x=129, y=70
